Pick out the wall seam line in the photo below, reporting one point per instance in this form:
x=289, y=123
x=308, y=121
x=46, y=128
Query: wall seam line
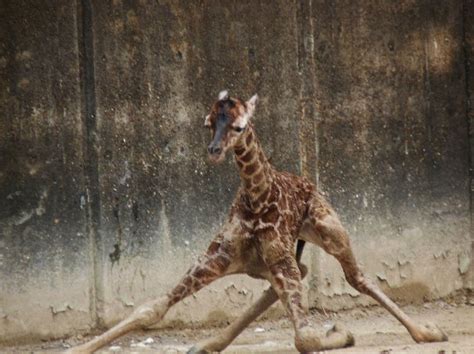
x=91, y=159
x=307, y=121
x=469, y=119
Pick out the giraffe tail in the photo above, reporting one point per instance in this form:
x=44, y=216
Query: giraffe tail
x=299, y=250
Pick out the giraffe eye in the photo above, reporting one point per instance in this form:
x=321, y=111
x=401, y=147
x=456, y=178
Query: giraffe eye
x=238, y=129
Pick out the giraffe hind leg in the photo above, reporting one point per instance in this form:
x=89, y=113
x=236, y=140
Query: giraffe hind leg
x=222, y=340
x=329, y=233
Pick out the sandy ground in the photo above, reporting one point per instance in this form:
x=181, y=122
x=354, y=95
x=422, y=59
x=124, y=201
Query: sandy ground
x=375, y=332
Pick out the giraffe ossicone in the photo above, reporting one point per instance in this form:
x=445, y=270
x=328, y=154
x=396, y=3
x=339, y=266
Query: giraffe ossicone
x=223, y=95
x=272, y=212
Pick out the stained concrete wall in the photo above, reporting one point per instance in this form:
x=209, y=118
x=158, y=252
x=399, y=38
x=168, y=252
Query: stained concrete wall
x=391, y=96
x=44, y=245
x=107, y=194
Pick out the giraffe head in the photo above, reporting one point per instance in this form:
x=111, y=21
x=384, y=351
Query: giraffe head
x=227, y=121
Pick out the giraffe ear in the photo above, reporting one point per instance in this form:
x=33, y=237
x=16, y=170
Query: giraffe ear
x=207, y=121
x=248, y=113
x=251, y=104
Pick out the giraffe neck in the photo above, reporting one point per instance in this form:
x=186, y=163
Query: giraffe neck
x=256, y=173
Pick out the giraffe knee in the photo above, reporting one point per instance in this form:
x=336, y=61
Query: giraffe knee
x=150, y=313
x=334, y=239
x=358, y=281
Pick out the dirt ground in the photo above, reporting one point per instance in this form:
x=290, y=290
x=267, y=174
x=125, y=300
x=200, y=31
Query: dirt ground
x=375, y=332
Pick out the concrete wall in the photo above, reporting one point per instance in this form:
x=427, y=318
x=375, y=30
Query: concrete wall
x=392, y=93
x=45, y=262
x=106, y=193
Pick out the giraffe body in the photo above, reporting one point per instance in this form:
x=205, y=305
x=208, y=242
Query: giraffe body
x=271, y=212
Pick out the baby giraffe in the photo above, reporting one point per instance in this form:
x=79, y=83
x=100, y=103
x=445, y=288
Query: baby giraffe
x=272, y=212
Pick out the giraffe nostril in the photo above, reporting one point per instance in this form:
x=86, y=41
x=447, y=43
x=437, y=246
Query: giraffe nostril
x=214, y=150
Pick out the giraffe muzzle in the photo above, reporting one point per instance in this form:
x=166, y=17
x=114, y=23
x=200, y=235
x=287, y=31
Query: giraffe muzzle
x=214, y=150
x=216, y=153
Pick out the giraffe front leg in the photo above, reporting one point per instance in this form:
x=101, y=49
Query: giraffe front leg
x=223, y=339
x=286, y=280
x=208, y=268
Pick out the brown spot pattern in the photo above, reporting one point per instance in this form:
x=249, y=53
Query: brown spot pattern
x=248, y=156
x=239, y=150
x=249, y=138
x=213, y=247
x=250, y=169
x=271, y=215
x=258, y=178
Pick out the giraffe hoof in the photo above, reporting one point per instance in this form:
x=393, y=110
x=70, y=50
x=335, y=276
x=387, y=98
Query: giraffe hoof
x=430, y=333
x=197, y=350
x=345, y=337
x=307, y=339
